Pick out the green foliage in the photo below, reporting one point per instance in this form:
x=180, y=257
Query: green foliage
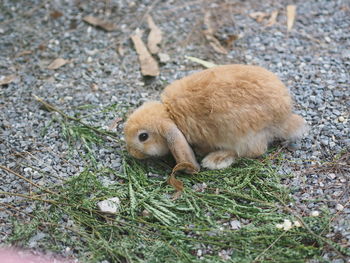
x=22, y=232
x=150, y=227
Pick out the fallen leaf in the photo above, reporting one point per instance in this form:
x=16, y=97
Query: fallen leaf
x=42, y=47
x=56, y=14
x=272, y=19
x=291, y=10
x=24, y=53
x=57, y=63
x=209, y=35
x=149, y=66
x=94, y=87
x=184, y=166
x=177, y=184
x=215, y=44
x=120, y=50
x=204, y=63
x=154, y=37
x=258, y=16
x=94, y=21
x=229, y=41
x=7, y=80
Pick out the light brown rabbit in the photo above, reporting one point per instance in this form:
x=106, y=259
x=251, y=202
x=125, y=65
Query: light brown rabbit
x=223, y=112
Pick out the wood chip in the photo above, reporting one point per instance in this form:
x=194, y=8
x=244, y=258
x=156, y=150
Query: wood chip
x=7, y=80
x=291, y=10
x=94, y=21
x=154, y=37
x=209, y=35
x=55, y=14
x=272, y=19
x=149, y=66
x=258, y=16
x=204, y=63
x=57, y=63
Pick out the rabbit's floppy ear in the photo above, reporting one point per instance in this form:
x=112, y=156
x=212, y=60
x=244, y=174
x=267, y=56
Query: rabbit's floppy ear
x=179, y=146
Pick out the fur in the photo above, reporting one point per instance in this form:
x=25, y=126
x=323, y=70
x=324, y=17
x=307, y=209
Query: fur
x=228, y=111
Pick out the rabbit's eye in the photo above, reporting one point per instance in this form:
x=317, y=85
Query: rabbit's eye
x=143, y=137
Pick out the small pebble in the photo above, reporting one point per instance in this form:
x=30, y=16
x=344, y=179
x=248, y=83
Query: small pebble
x=315, y=213
x=341, y=119
x=146, y=213
x=331, y=176
x=235, y=224
x=297, y=224
x=110, y=205
x=287, y=225
x=163, y=58
x=279, y=226
x=339, y=207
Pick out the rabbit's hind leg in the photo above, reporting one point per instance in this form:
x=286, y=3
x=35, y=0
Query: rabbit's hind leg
x=292, y=130
x=253, y=145
x=218, y=159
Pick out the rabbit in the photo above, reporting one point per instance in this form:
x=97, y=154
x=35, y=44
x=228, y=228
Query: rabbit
x=225, y=112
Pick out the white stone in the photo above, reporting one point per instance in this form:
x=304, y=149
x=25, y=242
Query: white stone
x=27, y=170
x=235, y=224
x=110, y=205
x=339, y=207
x=297, y=224
x=287, y=225
x=341, y=119
x=163, y=57
x=315, y=213
x=279, y=226
x=331, y=176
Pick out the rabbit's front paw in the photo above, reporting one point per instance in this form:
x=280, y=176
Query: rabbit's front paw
x=218, y=160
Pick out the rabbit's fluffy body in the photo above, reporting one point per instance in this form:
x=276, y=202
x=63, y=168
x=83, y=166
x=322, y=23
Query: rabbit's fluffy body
x=225, y=112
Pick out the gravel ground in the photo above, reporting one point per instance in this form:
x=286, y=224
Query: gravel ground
x=313, y=60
